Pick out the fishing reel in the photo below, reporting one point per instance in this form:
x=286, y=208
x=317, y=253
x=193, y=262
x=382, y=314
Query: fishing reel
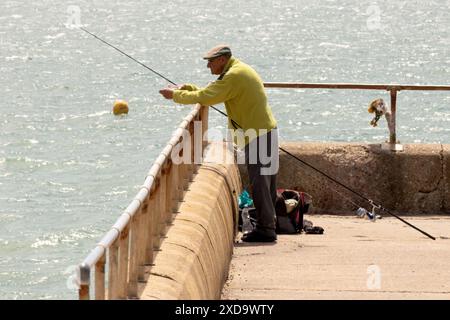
x=379, y=108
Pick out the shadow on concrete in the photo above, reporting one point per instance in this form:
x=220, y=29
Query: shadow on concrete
x=254, y=244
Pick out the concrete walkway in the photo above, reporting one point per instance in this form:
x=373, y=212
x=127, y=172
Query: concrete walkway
x=353, y=259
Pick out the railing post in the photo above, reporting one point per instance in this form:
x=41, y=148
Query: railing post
x=191, y=164
x=163, y=201
x=124, y=244
x=204, y=111
x=156, y=213
x=83, y=292
x=392, y=123
x=113, y=272
x=133, y=266
x=143, y=214
x=149, y=226
x=84, y=278
x=182, y=174
x=169, y=169
x=393, y=134
x=175, y=185
x=100, y=278
x=198, y=145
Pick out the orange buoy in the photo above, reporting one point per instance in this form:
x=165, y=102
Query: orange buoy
x=120, y=107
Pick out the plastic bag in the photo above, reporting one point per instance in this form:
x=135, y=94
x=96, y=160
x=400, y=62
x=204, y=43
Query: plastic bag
x=244, y=200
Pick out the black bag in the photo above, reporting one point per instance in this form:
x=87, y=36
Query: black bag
x=288, y=223
x=292, y=222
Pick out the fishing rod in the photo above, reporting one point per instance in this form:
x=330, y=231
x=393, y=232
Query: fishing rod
x=127, y=55
x=358, y=194
x=375, y=205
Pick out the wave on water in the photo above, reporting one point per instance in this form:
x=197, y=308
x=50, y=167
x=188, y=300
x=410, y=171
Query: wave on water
x=54, y=239
x=98, y=114
x=336, y=45
x=23, y=58
x=59, y=35
x=28, y=160
x=9, y=217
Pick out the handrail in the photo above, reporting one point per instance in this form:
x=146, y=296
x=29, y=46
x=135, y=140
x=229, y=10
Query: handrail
x=388, y=87
x=392, y=88
x=131, y=242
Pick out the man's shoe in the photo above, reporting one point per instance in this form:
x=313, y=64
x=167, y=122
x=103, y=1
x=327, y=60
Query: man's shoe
x=257, y=236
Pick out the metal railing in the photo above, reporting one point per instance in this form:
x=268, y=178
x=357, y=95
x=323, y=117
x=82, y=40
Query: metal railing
x=392, y=88
x=132, y=242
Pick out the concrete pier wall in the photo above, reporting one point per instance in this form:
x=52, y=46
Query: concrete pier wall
x=414, y=181
x=194, y=257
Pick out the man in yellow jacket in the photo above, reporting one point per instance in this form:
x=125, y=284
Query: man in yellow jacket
x=241, y=89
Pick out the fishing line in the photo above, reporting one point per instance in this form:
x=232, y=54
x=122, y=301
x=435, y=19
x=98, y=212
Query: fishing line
x=375, y=205
x=127, y=55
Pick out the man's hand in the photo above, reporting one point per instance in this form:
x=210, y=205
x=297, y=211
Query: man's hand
x=167, y=93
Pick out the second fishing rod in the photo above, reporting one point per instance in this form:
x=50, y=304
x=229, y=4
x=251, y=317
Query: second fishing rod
x=371, y=202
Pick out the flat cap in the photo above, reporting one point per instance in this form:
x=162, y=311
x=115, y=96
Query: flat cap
x=217, y=51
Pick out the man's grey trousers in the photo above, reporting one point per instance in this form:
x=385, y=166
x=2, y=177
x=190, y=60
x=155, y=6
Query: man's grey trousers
x=262, y=161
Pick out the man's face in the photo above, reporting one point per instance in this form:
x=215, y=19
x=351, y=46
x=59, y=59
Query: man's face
x=216, y=65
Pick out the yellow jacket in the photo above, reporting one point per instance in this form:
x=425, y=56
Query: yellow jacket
x=242, y=91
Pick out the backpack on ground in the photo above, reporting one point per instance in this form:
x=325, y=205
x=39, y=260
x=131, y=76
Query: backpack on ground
x=290, y=207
